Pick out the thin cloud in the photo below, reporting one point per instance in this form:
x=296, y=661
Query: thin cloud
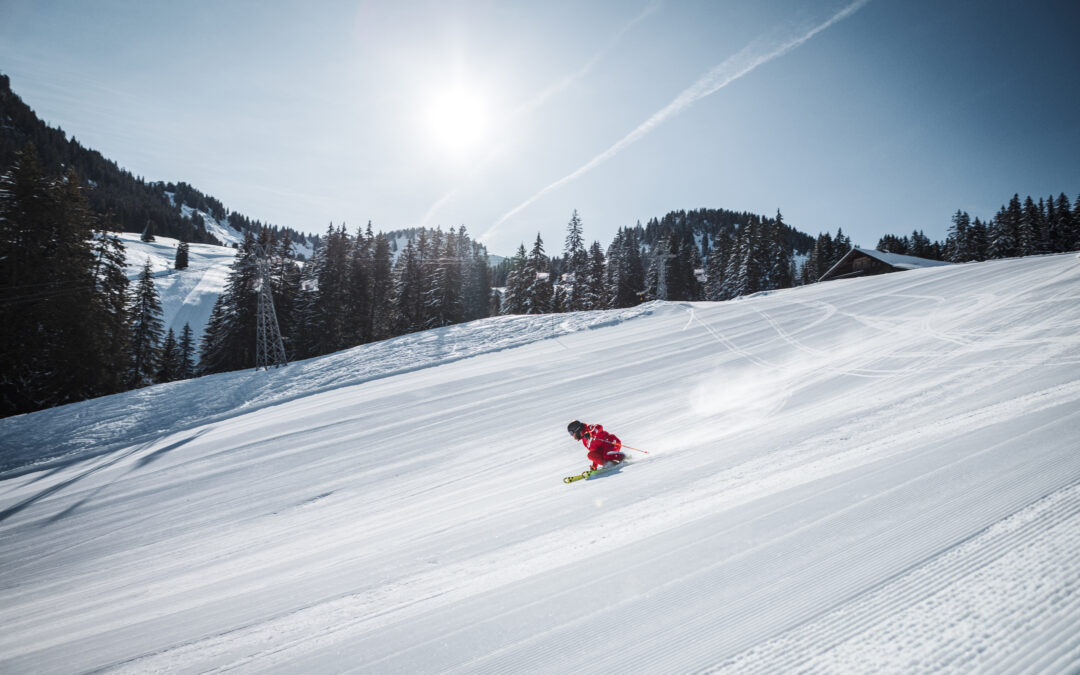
x=543, y=96
x=746, y=60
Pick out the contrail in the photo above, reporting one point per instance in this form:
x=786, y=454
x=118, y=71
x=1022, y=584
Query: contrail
x=746, y=60
x=543, y=96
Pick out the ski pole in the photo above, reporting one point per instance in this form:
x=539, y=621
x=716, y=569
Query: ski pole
x=630, y=447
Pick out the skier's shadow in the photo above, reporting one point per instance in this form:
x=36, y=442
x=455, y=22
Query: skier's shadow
x=609, y=472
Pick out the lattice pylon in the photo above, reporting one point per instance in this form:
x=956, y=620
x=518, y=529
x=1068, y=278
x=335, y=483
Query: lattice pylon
x=269, y=347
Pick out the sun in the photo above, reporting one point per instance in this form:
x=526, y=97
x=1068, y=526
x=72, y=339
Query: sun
x=457, y=119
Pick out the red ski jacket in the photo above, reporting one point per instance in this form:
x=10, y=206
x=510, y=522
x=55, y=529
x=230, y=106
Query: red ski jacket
x=601, y=445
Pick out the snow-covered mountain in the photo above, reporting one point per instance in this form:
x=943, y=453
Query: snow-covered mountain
x=870, y=475
x=188, y=295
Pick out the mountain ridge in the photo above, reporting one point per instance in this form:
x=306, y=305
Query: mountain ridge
x=130, y=201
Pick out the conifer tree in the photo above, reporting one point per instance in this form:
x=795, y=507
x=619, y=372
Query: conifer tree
x=1060, y=226
x=1063, y=230
x=1042, y=229
x=730, y=287
x=1005, y=230
x=977, y=240
x=615, y=264
x=169, y=368
x=577, y=262
x=824, y=253
x=1050, y=225
x=444, y=303
x=1027, y=242
x=920, y=246
x=659, y=274
x=146, y=331
x=430, y=254
x=1001, y=235
x=595, y=279
x=890, y=243
x=517, y=284
x=358, y=310
x=559, y=299
x=186, y=362
x=1075, y=225
x=959, y=238
x=286, y=281
x=781, y=270
x=229, y=340
x=689, y=263
x=382, y=289
x=408, y=293
x=538, y=292
x=748, y=275
x=112, y=297
x=1015, y=211
x=85, y=330
x=478, y=295
x=53, y=346
x=811, y=270
x=626, y=270
x=714, y=268
x=182, y=253
x=677, y=275
x=841, y=245
x=328, y=301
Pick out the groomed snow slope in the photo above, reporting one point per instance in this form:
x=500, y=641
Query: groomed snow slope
x=871, y=475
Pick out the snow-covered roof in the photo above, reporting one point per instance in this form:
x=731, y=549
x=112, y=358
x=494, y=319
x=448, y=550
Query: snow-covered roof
x=904, y=262
x=895, y=260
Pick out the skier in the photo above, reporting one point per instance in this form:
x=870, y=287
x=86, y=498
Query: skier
x=602, y=445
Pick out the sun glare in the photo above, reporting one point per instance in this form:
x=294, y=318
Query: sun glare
x=457, y=119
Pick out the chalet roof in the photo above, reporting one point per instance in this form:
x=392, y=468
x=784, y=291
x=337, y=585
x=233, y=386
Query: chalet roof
x=895, y=260
x=904, y=262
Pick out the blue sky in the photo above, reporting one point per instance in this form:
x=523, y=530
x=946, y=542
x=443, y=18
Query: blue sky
x=878, y=116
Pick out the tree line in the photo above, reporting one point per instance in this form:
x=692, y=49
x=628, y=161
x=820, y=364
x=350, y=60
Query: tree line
x=683, y=262
x=1017, y=229
x=73, y=326
x=351, y=292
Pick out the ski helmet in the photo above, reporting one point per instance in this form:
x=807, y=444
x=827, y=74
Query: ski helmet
x=575, y=428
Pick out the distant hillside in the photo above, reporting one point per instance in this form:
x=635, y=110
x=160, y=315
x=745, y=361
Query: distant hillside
x=173, y=210
x=714, y=223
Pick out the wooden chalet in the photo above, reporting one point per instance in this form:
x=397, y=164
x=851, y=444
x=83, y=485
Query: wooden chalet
x=862, y=262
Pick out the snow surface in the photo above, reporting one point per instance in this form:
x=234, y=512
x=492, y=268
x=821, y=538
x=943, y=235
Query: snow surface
x=187, y=296
x=868, y=475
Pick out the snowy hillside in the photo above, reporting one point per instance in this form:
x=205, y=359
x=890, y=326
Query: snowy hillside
x=220, y=229
x=187, y=296
x=870, y=475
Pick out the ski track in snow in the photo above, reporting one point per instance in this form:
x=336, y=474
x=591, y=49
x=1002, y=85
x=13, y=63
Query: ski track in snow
x=895, y=627
x=875, y=475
